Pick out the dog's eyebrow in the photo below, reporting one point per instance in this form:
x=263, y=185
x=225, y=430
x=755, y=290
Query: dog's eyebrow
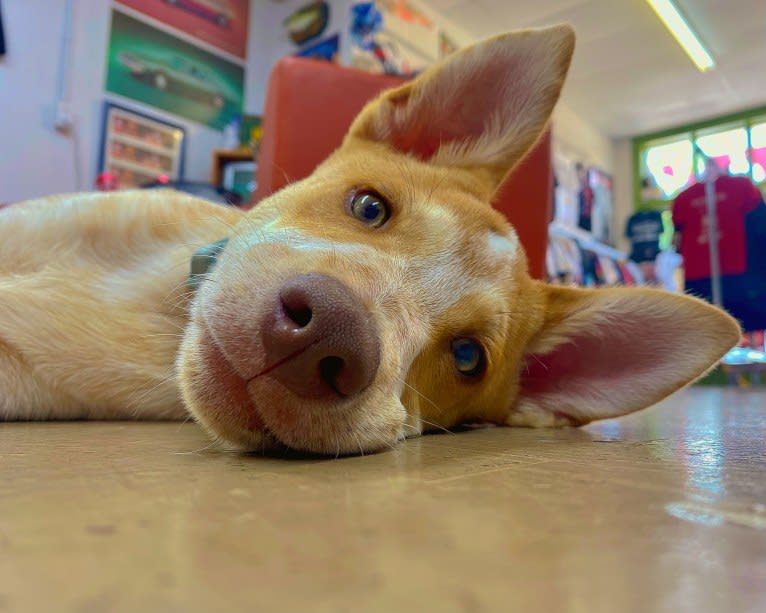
x=385, y=192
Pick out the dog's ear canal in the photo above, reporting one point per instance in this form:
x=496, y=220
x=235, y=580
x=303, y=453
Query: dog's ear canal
x=607, y=352
x=482, y=108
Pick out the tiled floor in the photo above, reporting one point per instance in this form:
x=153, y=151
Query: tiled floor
x=664, y=511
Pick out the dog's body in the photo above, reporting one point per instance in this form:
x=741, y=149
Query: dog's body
x=377, y=298
x=93, y=300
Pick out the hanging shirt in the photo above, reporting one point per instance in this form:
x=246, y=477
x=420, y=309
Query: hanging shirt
x=735, y=198
x=643, y=230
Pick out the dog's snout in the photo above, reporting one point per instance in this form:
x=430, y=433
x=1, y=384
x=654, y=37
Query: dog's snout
x=323, y=341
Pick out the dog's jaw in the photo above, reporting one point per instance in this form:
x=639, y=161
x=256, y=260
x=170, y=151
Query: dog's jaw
x=262, y=414
x=229, y=386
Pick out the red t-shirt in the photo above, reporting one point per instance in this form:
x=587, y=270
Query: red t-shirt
x=735, y=198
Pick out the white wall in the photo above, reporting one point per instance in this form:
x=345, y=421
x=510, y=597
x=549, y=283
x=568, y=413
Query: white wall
x=623, y=188
x=579, y=140
x=35, y=160
x=32, y=155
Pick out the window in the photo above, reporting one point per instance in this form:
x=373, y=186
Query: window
x=667, y=167
x=669, y=164
x=758, y=150
x=727, y=146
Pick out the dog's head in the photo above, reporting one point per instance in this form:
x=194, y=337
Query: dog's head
x=383, y=296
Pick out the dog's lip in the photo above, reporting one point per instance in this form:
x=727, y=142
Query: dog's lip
x=280, y=362
x=227, y=376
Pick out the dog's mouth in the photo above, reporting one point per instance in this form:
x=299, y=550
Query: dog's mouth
x=293, y=366
x=228, y=388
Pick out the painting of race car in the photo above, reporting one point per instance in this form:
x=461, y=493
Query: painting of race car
x=216, y=11
x=221, y=23
x=178, y=76
x=158, y=69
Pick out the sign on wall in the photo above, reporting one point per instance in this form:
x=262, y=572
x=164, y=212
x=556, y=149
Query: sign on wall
x=221, y=23
x=158, y=69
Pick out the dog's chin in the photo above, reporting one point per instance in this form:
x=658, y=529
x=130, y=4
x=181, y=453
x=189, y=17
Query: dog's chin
x=262, y=415
x=217, y=397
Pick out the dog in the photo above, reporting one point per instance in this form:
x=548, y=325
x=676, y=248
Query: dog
x=378, y=298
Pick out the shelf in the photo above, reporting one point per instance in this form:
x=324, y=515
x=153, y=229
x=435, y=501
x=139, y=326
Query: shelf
x=587, y=241
x=221, y=157
x=144, y=170
x=137, y=142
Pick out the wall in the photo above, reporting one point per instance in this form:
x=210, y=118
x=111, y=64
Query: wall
x=270, y=42
x=572, y=135
x=36, y=160
x=579, y=140
x=42, y=161
x=623, y=181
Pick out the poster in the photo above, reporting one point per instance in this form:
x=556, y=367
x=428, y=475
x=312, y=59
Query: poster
x=323, y=50
x=2, y=34
x=384, y=42
x=446, y=45
x=221, y=23
x=406, y=11
x=161, y=70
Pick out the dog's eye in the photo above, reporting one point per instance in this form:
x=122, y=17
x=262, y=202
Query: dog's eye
x=370, y=208
x=469, y=356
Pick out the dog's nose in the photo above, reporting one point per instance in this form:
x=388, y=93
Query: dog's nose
x=323, y=341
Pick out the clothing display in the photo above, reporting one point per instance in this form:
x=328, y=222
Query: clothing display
x=741, y=232
x=584, y=199
x=735, y=198
x=665, y=268
x=575, y=258
x=601, y=219
x=643, y=230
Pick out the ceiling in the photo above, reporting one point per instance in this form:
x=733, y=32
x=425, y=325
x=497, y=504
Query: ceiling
x=629, y=76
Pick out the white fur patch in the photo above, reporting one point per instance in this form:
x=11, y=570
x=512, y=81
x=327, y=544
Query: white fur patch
x=295, y=239
x=503, y=246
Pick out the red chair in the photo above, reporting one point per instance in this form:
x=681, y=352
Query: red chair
x=311, y=104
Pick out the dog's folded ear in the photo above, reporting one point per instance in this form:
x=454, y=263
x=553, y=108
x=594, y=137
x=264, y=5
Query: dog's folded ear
x=607, y=352
x=482, y=108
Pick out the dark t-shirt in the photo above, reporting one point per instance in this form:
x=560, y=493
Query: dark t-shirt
x=643, y=230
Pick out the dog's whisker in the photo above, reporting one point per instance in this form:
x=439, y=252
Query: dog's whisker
x=164, y=334
x=212, y=444
x=423, y=396
x=134, y=401
x=437, y=426
x=189, y=417
x=358, y=443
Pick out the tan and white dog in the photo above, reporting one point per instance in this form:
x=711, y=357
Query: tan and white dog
x=378, y=298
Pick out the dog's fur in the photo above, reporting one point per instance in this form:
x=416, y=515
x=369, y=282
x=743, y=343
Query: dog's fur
x=96, y=320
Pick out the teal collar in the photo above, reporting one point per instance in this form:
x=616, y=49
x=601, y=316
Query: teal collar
x=203, y=261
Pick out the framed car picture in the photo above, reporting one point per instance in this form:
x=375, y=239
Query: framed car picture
x=157, y=69
x=137, y=149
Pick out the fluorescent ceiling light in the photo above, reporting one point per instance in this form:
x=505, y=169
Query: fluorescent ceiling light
x=681, y=31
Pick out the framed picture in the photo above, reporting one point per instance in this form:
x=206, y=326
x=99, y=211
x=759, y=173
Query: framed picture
x=221, y=23
x=137, y=149
x=157, y=69
x=2, y=34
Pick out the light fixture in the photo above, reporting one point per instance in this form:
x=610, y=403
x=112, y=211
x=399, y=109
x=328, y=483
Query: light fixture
x=683, y=33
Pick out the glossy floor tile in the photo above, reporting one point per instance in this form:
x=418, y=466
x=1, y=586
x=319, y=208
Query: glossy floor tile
x=663, y=511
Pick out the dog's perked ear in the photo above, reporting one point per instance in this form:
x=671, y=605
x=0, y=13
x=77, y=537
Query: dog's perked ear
x=483, y=108
x=607, y=352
